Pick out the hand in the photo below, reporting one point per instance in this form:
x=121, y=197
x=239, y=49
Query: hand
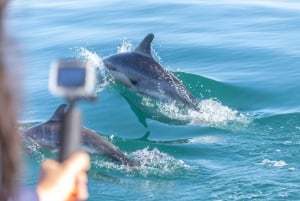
x=66, y=181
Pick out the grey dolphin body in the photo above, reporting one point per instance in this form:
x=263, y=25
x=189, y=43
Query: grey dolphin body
x=139, y=72
x=46, y=135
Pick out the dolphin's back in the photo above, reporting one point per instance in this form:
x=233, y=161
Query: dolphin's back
x=44, y=134
x=101, y=146
x=147, y=77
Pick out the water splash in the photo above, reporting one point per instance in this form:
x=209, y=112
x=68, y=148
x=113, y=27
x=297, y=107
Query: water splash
x=34, y=150
x=273, y=163
x=92, y=57
x=125, y=46
x=96, y=61
x=213, y=113
x=152, y=163
x=155, y=162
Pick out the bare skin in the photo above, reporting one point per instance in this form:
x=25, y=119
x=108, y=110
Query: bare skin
x=66, y=181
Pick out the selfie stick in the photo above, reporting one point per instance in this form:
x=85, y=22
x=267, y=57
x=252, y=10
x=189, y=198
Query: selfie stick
x=71, y=132
x=74, y=80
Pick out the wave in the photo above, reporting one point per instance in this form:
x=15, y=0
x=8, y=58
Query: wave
x=287, y=123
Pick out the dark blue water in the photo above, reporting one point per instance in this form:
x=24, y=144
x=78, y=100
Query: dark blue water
x=239, y=58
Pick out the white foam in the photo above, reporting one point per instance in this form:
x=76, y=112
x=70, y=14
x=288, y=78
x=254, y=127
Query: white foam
x=206, y=140
x=155, y=162
x=152, y=162
x=212, y=113
x=274, y=163
x=126, y=46
x=96, y=62
x=92, y=57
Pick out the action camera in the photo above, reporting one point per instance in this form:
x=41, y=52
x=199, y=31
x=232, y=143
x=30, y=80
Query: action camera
x=72, y=79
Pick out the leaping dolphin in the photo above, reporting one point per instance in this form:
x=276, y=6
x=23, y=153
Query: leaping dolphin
x=139, y=72
x=46, y=135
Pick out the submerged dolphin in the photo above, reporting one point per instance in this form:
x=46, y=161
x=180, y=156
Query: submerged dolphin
x=47, y=136
x=139, y=72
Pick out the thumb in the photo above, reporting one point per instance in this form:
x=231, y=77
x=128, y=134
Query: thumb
x=77, y=163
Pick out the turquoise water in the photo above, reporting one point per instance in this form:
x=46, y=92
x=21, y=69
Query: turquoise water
x=239, y=58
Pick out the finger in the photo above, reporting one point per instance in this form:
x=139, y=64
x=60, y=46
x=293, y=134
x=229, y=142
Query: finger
x=82, y=189
x=78, y=162
x=49, y=164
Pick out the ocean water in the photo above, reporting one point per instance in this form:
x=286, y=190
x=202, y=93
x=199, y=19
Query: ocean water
x=239, y=58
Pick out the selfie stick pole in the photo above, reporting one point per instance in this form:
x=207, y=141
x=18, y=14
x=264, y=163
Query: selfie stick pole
x=71, y=131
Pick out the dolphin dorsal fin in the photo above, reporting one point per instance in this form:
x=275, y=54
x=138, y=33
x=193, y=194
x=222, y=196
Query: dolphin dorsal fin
x=58, y=114
x=144, y=47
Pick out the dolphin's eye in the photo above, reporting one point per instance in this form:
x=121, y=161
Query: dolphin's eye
x=112, y=68
x=134, y=82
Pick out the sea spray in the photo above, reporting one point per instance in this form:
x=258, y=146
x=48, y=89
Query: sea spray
x=152, y=163
x=213, y=113
x=104, y=80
